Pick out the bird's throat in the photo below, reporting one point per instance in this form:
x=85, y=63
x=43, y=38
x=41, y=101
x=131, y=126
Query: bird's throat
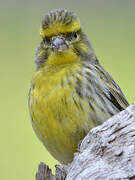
x=65, y=57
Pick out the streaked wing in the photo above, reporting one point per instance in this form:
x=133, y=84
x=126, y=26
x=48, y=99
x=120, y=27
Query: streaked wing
x=102, y=92
x=114, y=92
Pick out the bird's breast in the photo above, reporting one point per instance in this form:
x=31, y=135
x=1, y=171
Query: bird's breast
x=59, y=116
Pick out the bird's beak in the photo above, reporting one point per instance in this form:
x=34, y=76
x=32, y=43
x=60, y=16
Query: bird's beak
x=59, y=44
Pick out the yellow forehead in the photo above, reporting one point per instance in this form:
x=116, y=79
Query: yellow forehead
x=57, y=28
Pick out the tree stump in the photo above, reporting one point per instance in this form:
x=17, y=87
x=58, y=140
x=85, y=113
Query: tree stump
x=106, y=153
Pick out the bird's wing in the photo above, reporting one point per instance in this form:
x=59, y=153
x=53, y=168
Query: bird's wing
x=113, y=91
x=101, y=91
x=104, y=96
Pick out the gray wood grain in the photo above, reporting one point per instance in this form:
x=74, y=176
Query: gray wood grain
x=106, y=153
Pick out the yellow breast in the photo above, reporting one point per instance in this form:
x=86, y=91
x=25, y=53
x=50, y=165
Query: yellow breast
x=59, y=116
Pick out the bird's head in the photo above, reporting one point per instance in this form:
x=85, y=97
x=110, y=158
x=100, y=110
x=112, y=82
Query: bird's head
x=63, y=40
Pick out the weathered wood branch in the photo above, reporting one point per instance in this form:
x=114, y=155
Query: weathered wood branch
x=106, y=153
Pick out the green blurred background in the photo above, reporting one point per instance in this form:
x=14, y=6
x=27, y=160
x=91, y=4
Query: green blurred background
x=110, y=25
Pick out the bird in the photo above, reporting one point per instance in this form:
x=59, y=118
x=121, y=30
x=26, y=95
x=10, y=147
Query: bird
x=70, y=92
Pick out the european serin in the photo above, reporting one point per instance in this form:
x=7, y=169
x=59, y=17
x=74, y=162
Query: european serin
x=70, y=91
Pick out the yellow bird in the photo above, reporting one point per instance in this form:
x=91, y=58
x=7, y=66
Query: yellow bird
x=70, y=92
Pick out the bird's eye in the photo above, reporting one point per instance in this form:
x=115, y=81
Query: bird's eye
x=46, y=42
x=74, y=36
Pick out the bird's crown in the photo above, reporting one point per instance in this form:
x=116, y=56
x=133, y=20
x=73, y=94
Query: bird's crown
x=59, y=21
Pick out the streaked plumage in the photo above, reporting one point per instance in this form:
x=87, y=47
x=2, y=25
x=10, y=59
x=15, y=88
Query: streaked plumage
x=70, y=91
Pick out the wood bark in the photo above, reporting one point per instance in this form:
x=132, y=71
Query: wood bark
x=106, y=153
